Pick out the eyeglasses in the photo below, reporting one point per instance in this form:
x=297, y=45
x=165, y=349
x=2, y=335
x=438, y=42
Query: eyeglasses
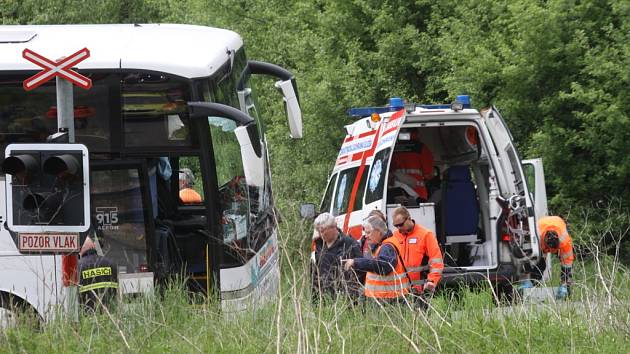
x=402, y=223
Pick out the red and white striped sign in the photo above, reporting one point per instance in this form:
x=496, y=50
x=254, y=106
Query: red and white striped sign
x=56, y=68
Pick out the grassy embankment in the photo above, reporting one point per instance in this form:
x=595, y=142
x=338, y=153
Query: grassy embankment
x=472, y=323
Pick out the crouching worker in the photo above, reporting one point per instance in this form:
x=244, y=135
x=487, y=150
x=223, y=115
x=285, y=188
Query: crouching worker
x=328, y=275
x=555, y=239
x=98, y=278
x=386, y=278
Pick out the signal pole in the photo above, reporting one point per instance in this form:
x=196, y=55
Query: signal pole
x=65, y=108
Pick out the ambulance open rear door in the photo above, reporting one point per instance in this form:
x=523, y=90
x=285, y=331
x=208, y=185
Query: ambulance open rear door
x=522, y=224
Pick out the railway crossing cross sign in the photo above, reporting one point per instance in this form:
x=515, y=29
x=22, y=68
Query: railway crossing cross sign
x=61, y=68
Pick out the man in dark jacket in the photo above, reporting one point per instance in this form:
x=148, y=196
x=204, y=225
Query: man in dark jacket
x=98, y=278
x=328, y=275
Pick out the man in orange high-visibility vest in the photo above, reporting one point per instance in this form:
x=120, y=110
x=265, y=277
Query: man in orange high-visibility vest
x=419, y=250
x=555, y=239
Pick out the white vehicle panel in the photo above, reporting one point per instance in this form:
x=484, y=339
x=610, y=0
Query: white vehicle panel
x=253, y=283
x=184, y=50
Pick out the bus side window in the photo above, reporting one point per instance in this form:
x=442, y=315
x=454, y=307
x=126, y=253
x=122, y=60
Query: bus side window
x=119, y=215
x=376, y=181
x=190, y=181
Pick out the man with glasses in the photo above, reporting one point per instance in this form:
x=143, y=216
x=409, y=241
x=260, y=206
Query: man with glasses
x=419, y=251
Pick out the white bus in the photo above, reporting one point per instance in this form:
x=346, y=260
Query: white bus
x=166, y=101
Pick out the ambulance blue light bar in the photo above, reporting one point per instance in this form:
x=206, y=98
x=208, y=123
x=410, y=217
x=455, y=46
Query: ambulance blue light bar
x=395, y=104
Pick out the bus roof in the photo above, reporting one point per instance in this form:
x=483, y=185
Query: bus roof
x=183, y=50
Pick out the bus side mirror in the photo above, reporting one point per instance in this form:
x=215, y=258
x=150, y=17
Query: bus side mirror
x=287, y=86
x=307, y=211
x=292, y=107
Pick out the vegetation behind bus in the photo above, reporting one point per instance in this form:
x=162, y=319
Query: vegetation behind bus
x=557, y=72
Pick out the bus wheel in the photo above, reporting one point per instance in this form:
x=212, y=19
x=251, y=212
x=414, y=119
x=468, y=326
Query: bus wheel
x=14, y=311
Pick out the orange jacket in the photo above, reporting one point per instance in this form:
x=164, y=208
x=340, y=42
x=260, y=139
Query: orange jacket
x=420, y=252
x=565, y=248
x=418, y=165
x=392, y=285
x=189, y=196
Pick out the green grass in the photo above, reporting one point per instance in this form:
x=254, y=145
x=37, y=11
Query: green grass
x=470, y=322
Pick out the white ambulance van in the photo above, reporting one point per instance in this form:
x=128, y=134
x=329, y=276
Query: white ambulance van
x=480, y=199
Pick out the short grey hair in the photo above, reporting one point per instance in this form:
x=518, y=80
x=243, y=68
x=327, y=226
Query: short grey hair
x=376, y=223
x=324, y=220
x=186, y=175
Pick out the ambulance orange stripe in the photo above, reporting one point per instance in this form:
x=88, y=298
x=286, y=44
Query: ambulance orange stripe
x=355, y=186
x=362, y=135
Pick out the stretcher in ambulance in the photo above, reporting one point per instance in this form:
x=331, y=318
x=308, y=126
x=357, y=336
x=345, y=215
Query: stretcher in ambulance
x=457, y=171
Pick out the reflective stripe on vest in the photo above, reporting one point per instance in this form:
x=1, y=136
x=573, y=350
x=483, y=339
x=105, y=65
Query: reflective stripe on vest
x=100, y=285
x=418, y=269
x=414, y=171
x=392, y=285
x=386, y=291
x=563, y=237
x=566, y=254
x=386, y=278
x=435, y=260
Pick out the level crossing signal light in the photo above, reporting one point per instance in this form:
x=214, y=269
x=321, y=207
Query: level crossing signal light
x=47, y=187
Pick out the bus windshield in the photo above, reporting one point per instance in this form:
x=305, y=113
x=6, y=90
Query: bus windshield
x=134, y=103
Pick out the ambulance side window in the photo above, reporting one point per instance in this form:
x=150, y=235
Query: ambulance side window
x=358, y=201
x=376, y=181
x=516, y=168
x=344, y=188
x=530, y=177
x=325, y=207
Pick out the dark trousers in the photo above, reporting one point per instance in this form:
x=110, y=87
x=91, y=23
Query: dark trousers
x=536, y=271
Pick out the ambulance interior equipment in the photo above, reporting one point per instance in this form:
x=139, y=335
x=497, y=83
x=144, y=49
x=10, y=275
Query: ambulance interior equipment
x=480, y=205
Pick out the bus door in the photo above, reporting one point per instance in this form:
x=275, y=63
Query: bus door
x=362, y=187
x=520, y=220
x=122, y=218
x=242, y=241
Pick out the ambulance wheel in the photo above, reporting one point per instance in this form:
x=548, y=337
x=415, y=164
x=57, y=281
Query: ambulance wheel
x=14, y=311
x=506, y=294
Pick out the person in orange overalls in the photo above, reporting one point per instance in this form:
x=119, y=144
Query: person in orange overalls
x=419, y=251
x=412, y=169
x=186, y=193
x=555, y=239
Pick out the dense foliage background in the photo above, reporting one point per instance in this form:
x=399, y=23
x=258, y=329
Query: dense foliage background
x=557, y=70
